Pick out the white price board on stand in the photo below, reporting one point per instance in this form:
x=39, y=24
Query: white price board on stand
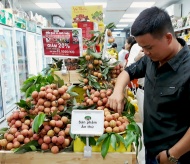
x=87, y=122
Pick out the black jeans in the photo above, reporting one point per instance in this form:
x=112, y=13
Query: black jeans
x=151, y=159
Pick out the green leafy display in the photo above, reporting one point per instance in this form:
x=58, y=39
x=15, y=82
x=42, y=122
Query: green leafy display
x=30, y=146
x=2, y=132
x=24, y=104
x=38, y=121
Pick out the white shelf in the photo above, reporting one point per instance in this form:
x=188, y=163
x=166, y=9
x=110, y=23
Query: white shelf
x=180, y=29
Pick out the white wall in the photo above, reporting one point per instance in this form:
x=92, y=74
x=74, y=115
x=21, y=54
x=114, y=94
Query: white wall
x=118, y=33
x=185, y=7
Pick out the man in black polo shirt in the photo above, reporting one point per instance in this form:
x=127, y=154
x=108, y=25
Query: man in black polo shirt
x=166, y=68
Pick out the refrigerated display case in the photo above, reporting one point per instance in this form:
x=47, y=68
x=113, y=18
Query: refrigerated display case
x=8, y=69
x=20, y=49
x=2, y=113
x=31, y=53
x=47, y=60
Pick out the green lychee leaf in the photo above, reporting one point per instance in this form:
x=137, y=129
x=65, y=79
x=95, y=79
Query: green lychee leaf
x=113, y=141
x=129, y=139
x=38, y=121
x=101, y=138
x=30, y=146
x=105, y=146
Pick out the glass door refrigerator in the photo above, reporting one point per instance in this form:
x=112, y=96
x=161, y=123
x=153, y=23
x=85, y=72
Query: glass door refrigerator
x=39, y=53
x=2, y=112
x=8, y=69
x=31, y=53
x=20, y=49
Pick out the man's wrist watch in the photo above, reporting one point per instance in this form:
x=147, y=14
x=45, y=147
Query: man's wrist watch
x=171, y=158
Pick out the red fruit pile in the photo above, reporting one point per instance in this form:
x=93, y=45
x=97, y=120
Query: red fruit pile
x=49, y=99
x=114, y=122
x=116, y=71
x=53, y=134
x=100, y=98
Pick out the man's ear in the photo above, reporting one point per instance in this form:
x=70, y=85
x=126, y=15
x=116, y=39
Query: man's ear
x=169, y=37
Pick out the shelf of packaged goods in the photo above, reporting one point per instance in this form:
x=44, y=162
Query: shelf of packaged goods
x=180, y=29
x=66, y=158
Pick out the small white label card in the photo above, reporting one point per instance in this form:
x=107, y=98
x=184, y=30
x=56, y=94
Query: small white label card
x=87, y=122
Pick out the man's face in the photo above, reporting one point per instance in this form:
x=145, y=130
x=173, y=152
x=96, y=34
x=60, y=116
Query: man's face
x=156, y=49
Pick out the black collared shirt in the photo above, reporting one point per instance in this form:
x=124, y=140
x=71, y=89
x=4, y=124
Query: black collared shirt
x=166, y=99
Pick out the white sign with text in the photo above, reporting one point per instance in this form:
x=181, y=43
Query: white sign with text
x=87, y=122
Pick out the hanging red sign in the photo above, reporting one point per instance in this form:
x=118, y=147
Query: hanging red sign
x=62, y=42
x=86, y=28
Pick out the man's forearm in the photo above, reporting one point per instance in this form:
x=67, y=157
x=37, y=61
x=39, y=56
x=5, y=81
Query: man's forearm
x=122, y=80
x=182, y=146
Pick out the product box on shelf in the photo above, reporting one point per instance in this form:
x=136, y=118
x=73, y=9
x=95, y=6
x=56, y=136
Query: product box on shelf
x=31, y=26
x=6, y=17
x=20, y=22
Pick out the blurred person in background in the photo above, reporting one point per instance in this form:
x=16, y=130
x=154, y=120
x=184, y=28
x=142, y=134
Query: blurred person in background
x=130, y=41
x=122, y=54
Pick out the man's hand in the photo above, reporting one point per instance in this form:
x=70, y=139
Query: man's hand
x=116, y=102
x=162, y=157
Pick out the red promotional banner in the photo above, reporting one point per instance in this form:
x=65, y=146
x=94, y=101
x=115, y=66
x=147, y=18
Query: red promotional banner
x=62, y=42
x=86, y=28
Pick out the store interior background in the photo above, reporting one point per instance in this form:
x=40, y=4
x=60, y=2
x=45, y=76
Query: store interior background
x=114, y=11
x=118, y=11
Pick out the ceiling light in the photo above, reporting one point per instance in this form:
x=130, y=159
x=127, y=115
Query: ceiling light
x=118, y=29
x=95, y=3
x=48, y=5
x=130, y=15
x=142, y=4
x=122, y=25
x=126, y=20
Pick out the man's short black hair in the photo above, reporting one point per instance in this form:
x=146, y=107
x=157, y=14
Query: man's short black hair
x=152, y=20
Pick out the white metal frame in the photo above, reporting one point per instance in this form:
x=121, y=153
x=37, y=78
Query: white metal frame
x=2, y=93
x=40, y=66
x=16, y=59
x=31, y=67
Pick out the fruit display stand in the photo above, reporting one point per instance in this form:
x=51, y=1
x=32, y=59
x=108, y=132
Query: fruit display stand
x=8, y=157
x=51, y=104
x=72, y=76
x=65, y=77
